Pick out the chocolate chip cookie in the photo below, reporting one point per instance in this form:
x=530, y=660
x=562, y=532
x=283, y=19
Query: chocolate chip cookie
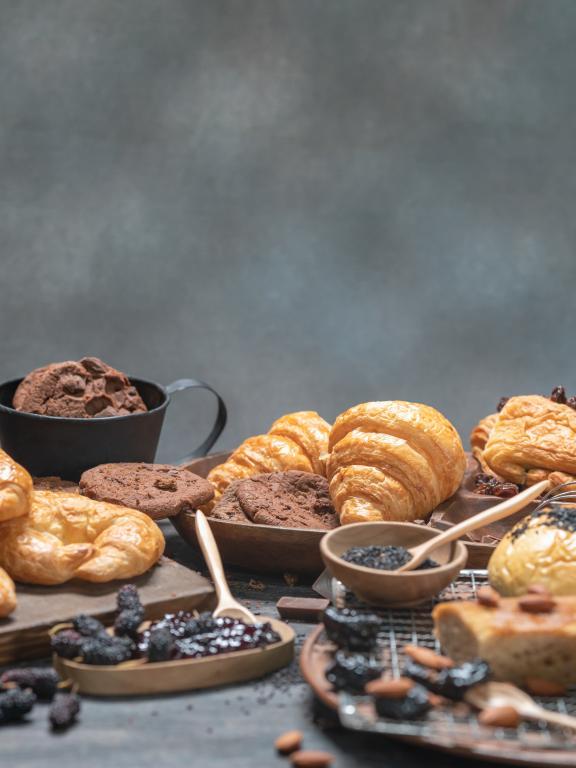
x=159, y=490
x=286, y=499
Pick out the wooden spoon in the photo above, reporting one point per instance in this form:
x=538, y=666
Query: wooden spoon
x=227, y=604
x=507, y=695
x=500, y=511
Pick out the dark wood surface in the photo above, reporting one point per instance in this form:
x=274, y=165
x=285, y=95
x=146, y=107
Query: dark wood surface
x=228, y=727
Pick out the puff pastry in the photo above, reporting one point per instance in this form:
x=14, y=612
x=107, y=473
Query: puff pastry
x=532, y=437
x=15, y=488
x=392, y=460
x=7, y=595
x=67, y=536
x=479, y=437
x=295, y=441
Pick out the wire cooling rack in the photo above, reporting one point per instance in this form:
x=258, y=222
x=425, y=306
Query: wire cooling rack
x=455, y=724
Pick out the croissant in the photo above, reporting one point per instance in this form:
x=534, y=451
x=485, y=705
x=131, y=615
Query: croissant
x=531, y=438
x=479, y=437
x=15, y=488
x=392, y=460
x=7, y=595
x=67, y=536
x=295, y=441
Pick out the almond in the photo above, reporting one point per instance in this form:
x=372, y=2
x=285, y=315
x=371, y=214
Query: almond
x=427, y=657
x=499, y=717
x=389, y=689
x=488, y=597
x=311, y=759
x=536, y=603
x=289, y=742
x=540, y=687
x=436, y=700
x=538, y=589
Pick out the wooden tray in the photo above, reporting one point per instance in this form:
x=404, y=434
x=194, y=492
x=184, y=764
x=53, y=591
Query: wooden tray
x=269, y=549
x=317, y=654
x=167, y=587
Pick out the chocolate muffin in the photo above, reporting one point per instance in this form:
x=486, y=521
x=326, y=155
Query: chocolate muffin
x=85, y=389
x=286, y=499
x=159, y=490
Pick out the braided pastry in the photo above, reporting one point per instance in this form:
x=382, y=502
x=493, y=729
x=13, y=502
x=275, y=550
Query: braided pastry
x=15, y=488
x=7, y=595
x=295, y=441
x=531, y=438
x=68, y=536
x=392, y=460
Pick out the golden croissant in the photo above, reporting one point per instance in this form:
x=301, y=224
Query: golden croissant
x=532, y=438
x=295, y=441
x=392, y=460
x=7, y=595
x=68, y=536
x=15, y=488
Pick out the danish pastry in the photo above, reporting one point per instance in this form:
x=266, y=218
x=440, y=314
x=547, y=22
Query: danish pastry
x=295, y=441
x=532, y=437
x=392, y=460
x=15, y=488
x=7, y=595
x=67, y=536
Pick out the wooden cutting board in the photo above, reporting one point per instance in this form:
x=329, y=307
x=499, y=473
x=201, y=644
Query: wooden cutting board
x=168, y=587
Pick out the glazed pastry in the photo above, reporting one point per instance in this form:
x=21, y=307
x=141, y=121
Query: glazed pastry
x=541, y=549
x=479, y=437
x=295, y=441
x=15, y=488
x=517, y=644
x=532, y=437
x=7, y=595
x=392, y=460
x=67, y=536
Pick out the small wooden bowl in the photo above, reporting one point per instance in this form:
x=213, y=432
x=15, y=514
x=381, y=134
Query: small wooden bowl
x=387, y=588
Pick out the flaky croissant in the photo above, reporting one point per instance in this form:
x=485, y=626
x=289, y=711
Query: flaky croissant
x=531, y=438
x=392, y=460
x=295, y=441
x=15, y=488
x=7, y=595
x=67, y=536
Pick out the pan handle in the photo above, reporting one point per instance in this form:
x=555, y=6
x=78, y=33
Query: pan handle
x=221, y=417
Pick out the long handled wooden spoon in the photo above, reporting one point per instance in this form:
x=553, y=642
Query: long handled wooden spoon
x=507, y=695
x=500, y=511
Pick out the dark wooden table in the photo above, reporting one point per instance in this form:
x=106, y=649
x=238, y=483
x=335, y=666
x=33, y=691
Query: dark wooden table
x=234, y=726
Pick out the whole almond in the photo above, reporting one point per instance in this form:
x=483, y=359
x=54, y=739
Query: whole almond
x=537, y=603
x=289, y=742
x=427, y=657
x=538, y=589
x=540, y=687
x=488, y=597
x=308, y=758
x=436, y=700
x=389, y=689
x=499, y=717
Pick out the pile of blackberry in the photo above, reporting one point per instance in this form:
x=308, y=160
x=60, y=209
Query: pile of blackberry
x=21, y=688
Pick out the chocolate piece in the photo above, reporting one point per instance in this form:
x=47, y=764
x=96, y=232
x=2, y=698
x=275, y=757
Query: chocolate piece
x=159, y=490
x=308, y=609
x=452, y=682
x=82, y=390
x=286, y=499
x=352, y=672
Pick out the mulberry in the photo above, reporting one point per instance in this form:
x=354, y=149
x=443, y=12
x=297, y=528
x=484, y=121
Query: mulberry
x=15, y=703
x=43, y=681
x=67, y=644
x=107, y=650
x=128, y=598
x=63, y=711
x=88, y=626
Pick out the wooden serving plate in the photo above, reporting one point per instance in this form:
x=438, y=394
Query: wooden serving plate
x=137, y=678
x=317, y=654
x=168, y=587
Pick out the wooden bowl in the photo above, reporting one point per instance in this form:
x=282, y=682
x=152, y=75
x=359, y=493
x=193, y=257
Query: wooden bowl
x=258, y=548
x=138, y=678
x=387, y=588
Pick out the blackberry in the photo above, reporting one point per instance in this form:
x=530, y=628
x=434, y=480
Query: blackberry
x=351, y=629
x=352, y=672
x=107, y=650
x=63, y=711
x=67, y=644
x=15, y=703
x=409, y=707
x=452, y=682
x=160, y=645
x=43, y=681
x=128, y=621
x=128, y=598
x=88, y=626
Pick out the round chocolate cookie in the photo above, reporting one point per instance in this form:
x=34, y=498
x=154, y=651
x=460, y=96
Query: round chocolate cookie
x=159, y=490
x=285, y=499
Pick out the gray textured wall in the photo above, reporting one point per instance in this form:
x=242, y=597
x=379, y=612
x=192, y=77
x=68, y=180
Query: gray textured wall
x=308, y=203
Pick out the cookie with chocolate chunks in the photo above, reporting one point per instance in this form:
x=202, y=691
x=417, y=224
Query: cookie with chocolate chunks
x=159, y=490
